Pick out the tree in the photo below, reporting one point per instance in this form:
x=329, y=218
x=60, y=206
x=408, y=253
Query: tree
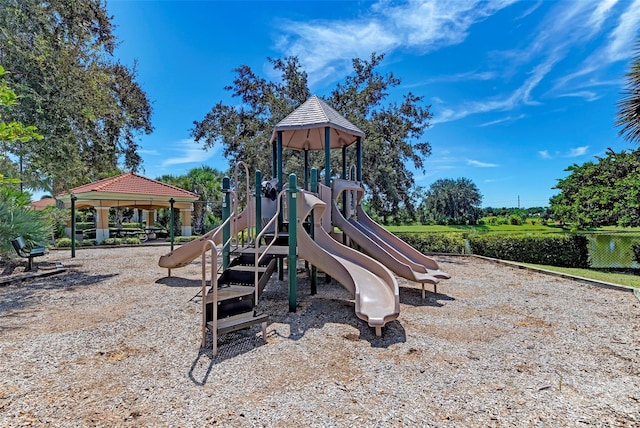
x=11, y=131
x=393, y=130
x=629, y=106
x=453, y=201
x=601, y=193
x=88, y=106
x=205, y=182
x=15, y=218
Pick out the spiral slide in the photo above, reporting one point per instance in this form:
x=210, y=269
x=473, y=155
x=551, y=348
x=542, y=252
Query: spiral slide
x=188, y=252
x=374, y=287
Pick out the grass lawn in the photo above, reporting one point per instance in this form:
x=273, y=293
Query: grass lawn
x=598, y=275
x=482, y=228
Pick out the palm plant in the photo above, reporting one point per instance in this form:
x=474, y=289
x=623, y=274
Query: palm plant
x=17, y=220
x=629, y=106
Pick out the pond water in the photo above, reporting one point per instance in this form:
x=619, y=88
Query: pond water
x=612, y=250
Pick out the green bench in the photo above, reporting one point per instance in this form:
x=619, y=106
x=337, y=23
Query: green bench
x=25, y=251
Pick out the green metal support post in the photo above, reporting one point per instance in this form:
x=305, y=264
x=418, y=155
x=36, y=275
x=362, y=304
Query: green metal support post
x=73, y=226
x=172, y=220
x=258, y=199
x=293, y=241
x=345, y=210
x=279, y=188
x=359, y=159
x=274, y=160
x=306, y=170
x=314, y=270
x=226, y=213
x=327, y=156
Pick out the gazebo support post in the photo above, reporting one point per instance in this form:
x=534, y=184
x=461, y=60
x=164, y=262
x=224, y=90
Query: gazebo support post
x=73, y=226
x=171, y=221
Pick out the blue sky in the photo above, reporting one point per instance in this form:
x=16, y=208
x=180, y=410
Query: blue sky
x=519, y=90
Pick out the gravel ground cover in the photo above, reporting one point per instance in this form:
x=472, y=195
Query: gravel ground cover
x=113, y=341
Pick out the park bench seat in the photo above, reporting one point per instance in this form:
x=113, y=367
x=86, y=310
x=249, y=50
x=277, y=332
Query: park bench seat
x=25, y=251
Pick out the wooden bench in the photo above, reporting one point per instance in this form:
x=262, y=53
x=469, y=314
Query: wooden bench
x=26, y=251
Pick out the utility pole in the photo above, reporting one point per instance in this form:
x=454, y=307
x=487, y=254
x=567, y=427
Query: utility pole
x=518, y=201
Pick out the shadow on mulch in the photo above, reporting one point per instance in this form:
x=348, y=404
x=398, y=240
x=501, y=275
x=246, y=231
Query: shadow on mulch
x=176, y=281
x=413, y=297
x=24, y=293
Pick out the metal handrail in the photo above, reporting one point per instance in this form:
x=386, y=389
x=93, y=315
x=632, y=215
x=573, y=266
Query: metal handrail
x=250, y=212
x=274, y=222
x=214, y=285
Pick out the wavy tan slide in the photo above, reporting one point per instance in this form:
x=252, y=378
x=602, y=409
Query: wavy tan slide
x=383, y=245
x=188, y=252
x=373, y=286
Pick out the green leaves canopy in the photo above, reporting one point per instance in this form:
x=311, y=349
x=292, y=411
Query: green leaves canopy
x=454, y=201
x=88, y=107
x=601, y=193
x=393, y=130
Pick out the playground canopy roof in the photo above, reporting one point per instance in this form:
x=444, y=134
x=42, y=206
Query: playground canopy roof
x=128, y=190
x=304, y=128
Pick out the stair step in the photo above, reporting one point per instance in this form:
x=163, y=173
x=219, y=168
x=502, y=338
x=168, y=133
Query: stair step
x=249, y=260
x=248, y=268
x=238, y=322
x=231, y=292
x=277, y=250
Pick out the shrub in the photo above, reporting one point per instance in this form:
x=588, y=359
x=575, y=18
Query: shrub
x=515, y=220
x=16, y=219
x=181, y=239
x=492, y=220
x=559, y=250
x=122, y=241
x=431, y=242
x=63, y=242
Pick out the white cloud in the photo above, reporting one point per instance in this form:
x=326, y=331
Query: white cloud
x=577, y=151
x=544, y=154
x=457, y=77
x=618, y=46
x=503, y=120
x=325, y=48
x=625, y=33
x=567, y=25
x=479, y=164
x=189, y=152
x=587, y=95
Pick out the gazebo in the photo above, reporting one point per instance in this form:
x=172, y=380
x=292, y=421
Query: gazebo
x=129, y=190
x=316, y=126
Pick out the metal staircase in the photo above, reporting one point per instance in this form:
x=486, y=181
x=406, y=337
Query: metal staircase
x=230, y=300
x=230, y=297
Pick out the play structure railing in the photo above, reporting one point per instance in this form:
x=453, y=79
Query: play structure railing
x=214, y=293
x=249, y=196
x=271, y=223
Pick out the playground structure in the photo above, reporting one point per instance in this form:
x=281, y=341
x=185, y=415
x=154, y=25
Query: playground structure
x=292, y=222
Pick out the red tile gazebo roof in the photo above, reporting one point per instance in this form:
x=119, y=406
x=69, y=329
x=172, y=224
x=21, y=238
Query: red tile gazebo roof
x=133, y=184
x=130, y=190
